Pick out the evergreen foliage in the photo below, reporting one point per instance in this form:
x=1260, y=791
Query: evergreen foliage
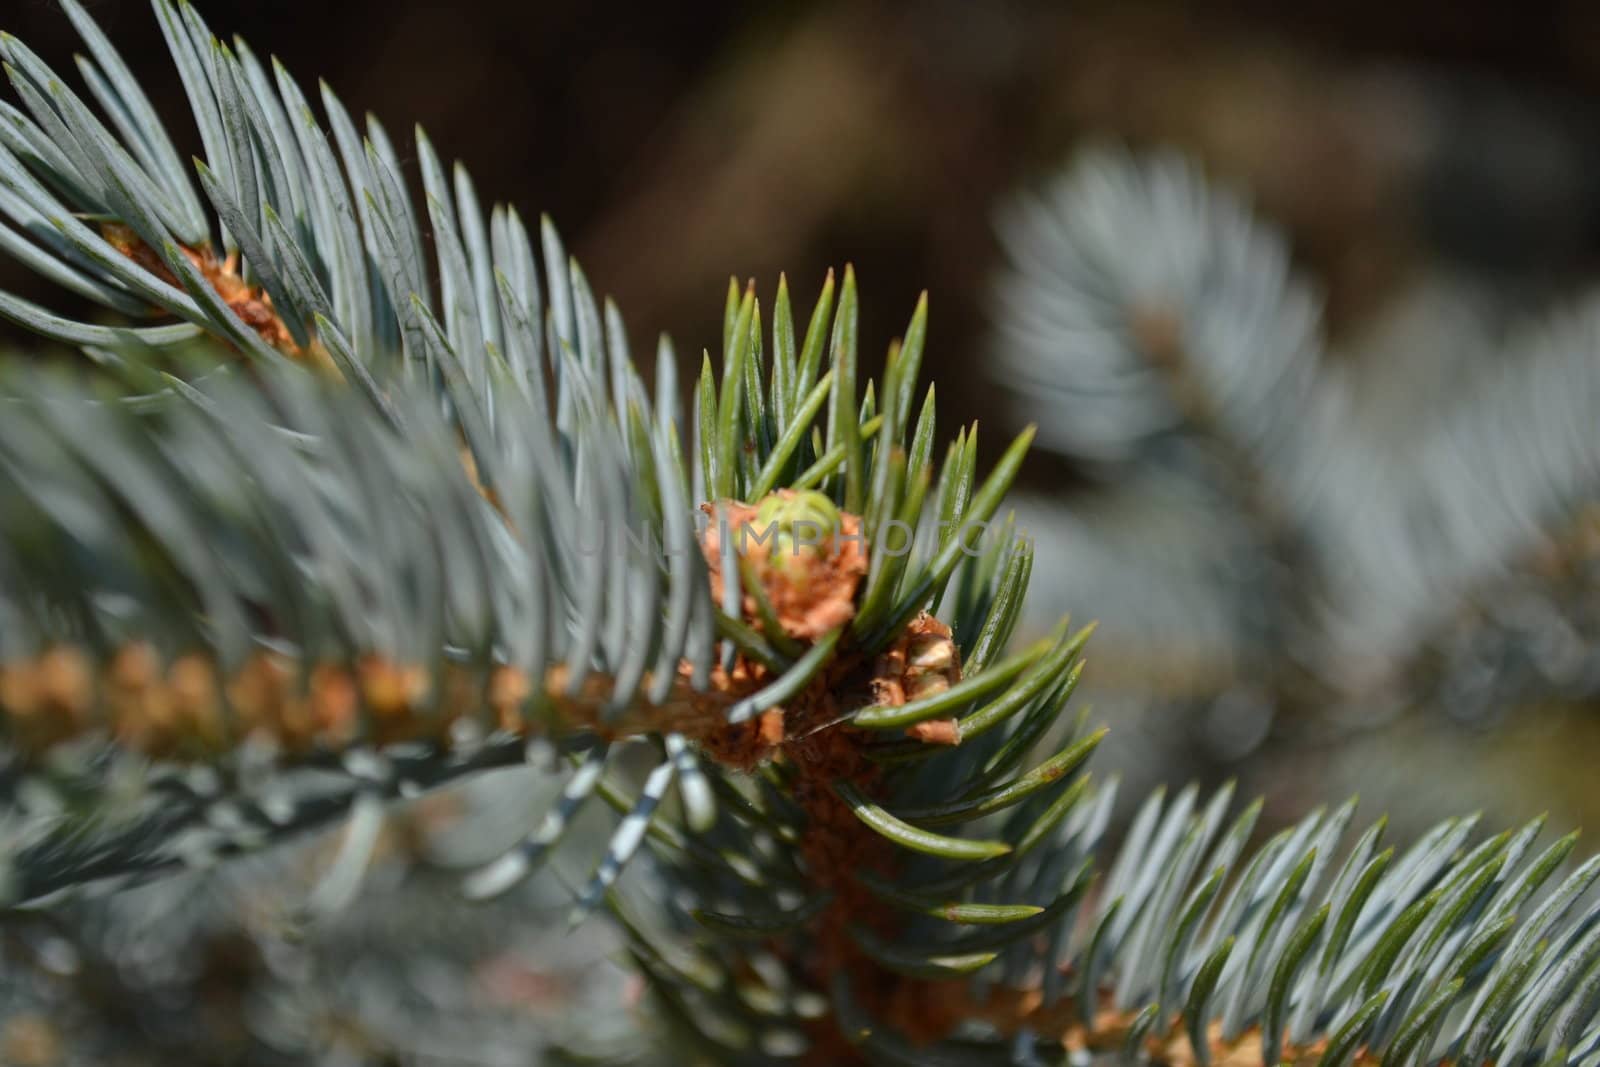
x=1268, y=515
x=406, y=517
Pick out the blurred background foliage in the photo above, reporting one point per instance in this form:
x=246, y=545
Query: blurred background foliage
x=1434, y=167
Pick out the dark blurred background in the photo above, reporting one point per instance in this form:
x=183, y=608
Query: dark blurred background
x=676, y=144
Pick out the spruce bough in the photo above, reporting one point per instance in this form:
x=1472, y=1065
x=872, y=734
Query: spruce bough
x=404, y=517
